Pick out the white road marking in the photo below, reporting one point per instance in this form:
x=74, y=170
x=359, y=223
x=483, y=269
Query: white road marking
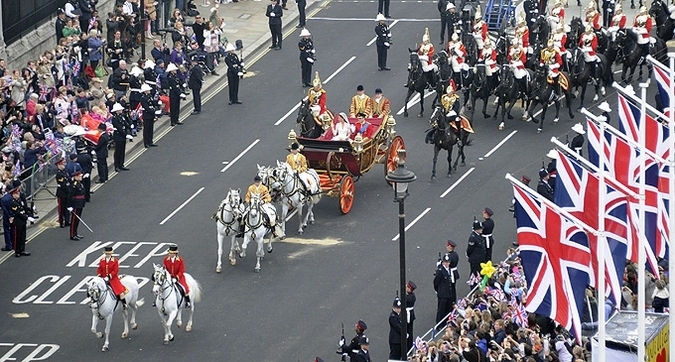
x=500, y=144
x=412, y=223
x=457, y=182
x=287, y=114
x=181, y=206
x=343, y=66
x=291, y=214
x=415, y=99
x=537, y=113
x=240, y=155
x=373, y=19
x=375, y=38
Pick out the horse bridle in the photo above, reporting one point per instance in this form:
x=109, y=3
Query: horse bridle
x=283, y=173
x=232, y=203
x=98, y=298
x=257, y=207
x=415, y=69
x=161, y=280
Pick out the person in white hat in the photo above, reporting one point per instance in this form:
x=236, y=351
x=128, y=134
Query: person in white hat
x=619, y=21
x=604, y=107
x=383, y=41
x=578, y=140
x=592, y=16
x=122, y=130
x=552, y=167
x=643, y=27
x=150, y=110
x=135, y=82
x=307, y=52
x=449, y=18
x=557, y=14
x=176, y=92
x=480, y=29
x=426, y=54
x=235, y=70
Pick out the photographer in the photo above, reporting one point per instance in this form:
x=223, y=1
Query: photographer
x=160, y=51
x=116, y=50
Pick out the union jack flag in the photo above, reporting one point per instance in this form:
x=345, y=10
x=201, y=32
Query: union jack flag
x=662, y=78
x=623, y=164
x=45, y=92
x=520, y=316
x=137, y=114
x=461, y=304
x=474, y=279
x=496, y=293
x=452, y=318
x=578, y=191
x=556, y=259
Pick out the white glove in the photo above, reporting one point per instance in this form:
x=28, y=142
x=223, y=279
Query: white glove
x=241, y=64
x=160, y=103
x=130, y=137
x=241, y=74
x=452, y=113
x=106, y=279
x=386, y=43
x=341, y=342
x=313, y=51
x=183, y=95
x=158, y=112
x=86, y=175
x=309, y=59
x=389, y=34
x=70, y=209
x=31, y=219
x=272, y=14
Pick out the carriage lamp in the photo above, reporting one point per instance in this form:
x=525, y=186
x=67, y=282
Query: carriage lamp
x=292, y=137
x=358, y=143
x=400, y=178
x=391, y=123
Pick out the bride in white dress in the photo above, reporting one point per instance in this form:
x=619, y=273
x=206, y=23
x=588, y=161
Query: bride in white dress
x=342, y=130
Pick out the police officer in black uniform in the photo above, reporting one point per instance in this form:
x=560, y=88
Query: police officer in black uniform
x=150, y=110
x=235, y=70
x=176, y=93
x=307, y=51
x=383, y=41
x=363, y=354
x=352, y=348
x=21, y=215
x=531, y=9
x=475, y=251
x=488, y=227
x=76, y=203
x=444, y=284
x=120, y=135
x=195, y=82
x=395, y=326
x=62, y=188
x=543, y=188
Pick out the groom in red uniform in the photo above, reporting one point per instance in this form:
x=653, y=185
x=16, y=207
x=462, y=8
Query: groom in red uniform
x=174, y=264
x=108, y=268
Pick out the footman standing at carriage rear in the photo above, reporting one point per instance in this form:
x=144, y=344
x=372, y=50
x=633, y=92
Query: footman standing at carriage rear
x=108, y=269
x=175, y=265
x=360, y=103
x=307, y=51
x=383, y=41
x=352, y=348
x=381, y=105
x=76, y=202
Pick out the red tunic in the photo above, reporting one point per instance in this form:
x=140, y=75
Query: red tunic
x=480, y=28
x=110, y=268
x=619, y=21
x=643, y=22
x=593, y=18
x=522, y=57
x=428, y=50
x=589, y=40
x=524, y=33
x=176, y=268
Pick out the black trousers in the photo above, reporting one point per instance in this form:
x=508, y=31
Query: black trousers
x=445, y=24
x=381, y=56
x=275, y=29
x=102, y=168
x=174, y=104
x=74, y=221
x=233, y=85
x=383, y=7
x=301, y=10
x=148, y=131
x=19, y=238
x=197, y=98
x=444, y=307
x=395, y=352
x=306, y=68
x=118, y=156
x=86, y=182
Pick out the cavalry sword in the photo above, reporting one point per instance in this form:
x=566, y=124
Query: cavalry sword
x=82, y=221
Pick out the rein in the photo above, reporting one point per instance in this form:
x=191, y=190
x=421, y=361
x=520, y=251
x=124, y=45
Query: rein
x=101, y=299
x=161, y=281
x=233, y=210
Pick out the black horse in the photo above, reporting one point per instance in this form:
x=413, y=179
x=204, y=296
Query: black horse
x=507, y=92
x=417, y=82
x=445, y=138
x=444, y=75
x=626, y=41
x=310, y=126
x=664, y=24
x=544, y=93
x=581, y=74
x=540, y=31
x=482, y=87
x=577, y=29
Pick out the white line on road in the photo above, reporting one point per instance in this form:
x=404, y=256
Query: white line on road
x=415, y=99
x=372, y=19
x=500, y=144
x=375, y=38
x=412, y=223
x=343, y=66
x=537, y=113
x=288, y=114
x=240, y=155
x=291, y=214
x=457, y=182
x=181, y=206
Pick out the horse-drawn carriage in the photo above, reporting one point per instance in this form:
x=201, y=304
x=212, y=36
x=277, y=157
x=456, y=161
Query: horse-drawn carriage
x=341, y=163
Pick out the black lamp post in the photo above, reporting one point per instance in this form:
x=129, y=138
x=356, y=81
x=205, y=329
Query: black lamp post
x=141, y=20
x=400, y=178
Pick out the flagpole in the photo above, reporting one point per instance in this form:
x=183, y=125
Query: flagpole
x=671, y=186
x=631, y=95
x=602, y=242
x=642, y=256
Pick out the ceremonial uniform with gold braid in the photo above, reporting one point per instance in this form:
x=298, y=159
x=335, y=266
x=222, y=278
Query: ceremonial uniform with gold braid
x=360, y=104
x=317, y=97
x=260, y=190
x=381, y=108
x=298, y=162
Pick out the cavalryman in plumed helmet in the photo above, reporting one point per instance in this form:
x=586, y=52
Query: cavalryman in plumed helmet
x=551, y=59
x=592, y=16
x=426, y=54
x=317, y=95
x=643, y=27
x=480, y=29
x=523, y=33
x=557, y=15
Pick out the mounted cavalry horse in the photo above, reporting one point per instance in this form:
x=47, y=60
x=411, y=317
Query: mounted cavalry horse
x=227, y=223
x=581, y=72
x=544, y=93
x=417, y=82
x=311, y=125
x=104, y=303
x=664, y=23
x=482, y=87
x=170, y=301
x=445, y=138
x=626, y=42
x=507, y=92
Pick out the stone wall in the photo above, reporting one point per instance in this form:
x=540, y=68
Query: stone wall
x=30, y=46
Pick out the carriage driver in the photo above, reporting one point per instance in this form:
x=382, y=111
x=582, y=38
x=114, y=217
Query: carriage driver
x=643, y=27
x=523, y=34
x=480, y=29
x=263, y=192
x=108, y=269
x=426, y=54
x=557, y=14
x=298, y=162
x=317, y=95
x=176, y=267
x=550, y=57
x=619, y=21
x=517, y=60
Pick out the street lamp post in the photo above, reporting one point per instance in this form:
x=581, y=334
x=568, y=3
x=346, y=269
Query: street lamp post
x=400, y=178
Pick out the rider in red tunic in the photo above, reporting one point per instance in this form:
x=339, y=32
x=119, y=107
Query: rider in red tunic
x=176, y=267
x=108, y=268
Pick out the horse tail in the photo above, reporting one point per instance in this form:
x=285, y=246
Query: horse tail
x=195, y=288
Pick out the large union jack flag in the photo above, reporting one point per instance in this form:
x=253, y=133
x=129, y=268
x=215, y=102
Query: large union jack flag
x=578, y=192
x=556, y=260
x=623, y=164
x=662, y=78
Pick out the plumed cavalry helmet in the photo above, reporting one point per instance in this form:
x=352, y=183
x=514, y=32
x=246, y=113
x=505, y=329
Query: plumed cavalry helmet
x=478, y=15
x=591, y=5
x=454, y=37
x=558, y=2
x=618, y=8
x=549, y=42
x=521, y=19
x=487, y=43
x=317, y=80
x=426, y=37
x=589, y=28
x=643, y=9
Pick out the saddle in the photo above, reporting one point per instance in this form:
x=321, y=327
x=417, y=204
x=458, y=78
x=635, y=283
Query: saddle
x=464, y=124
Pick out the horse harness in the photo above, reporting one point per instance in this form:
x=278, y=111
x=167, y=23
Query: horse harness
x=219, y=215
x=98, y=302
x=173, y=287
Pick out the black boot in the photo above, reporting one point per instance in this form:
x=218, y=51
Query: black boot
x=187, y=302
x=123, y=301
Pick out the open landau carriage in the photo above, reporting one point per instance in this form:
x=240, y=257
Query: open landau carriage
x=340, y=164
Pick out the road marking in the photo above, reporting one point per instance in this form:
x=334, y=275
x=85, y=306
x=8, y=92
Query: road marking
x=457, y=182
x=412, y=223
x=415, y=99
x=181, y=206
x=537, y=113
x=287, y=114
x=343, y=66
x=500, y=144
x=240, y=155
x=375, y=38
x=290, y=215
x=372, y=19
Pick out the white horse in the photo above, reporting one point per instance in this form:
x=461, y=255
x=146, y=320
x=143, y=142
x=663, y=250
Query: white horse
x=227, y=222
x=255, y=228
x=297, y=190
x=103, y=304
x=170, y=301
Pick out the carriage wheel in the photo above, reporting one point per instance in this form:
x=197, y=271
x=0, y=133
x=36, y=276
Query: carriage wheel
x=346, y=194
x=392, y=154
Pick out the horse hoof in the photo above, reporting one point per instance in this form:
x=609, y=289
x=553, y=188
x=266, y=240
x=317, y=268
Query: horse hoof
x=219, y=269
x=405, y=114
x=595, y=99
x=233, y=262
x=449, y=175
x=270, y=250
x=188, y=328
x=171, y=338
x=124, y=335
x=420, y=115
x=539, y=130
x=300, y=232
x=166, y=343
x=571, y=115
x=179, y=324
x=312, y=222
x=509, y=116
x=256, y=270
x=555, y=120
x=134, y=326
x=104, y=349
x=463, y=164
x=99, y=335
x=283, y=237
x=501, y=126
x=485, y=115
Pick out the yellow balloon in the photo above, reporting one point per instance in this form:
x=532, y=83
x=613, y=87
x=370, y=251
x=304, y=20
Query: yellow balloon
x=487, y=269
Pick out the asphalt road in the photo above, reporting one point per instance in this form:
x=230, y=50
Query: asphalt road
x=343, y=268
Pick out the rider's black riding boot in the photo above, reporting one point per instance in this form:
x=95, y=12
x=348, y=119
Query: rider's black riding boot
x=432, y=79
x=123, y=301
x=522, y=84
x=187, y=301
x=556, y=87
